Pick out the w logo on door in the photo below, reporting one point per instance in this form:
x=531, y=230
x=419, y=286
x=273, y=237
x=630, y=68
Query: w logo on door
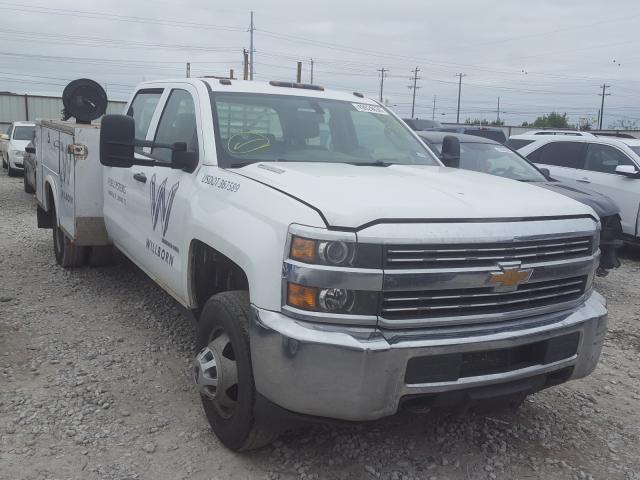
x=161, y=202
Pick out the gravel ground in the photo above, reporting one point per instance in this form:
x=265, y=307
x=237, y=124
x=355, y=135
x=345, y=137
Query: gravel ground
x=95, y=384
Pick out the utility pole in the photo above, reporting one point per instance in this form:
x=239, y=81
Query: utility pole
x=311, y=72
x=299, y=73
x=433, y=112
x=460, y=75
x=603, y=94
x=414, y=87
x=382, y=75
x=251, y=29
x=245, y=64
x=188, y=70
x=498, y=112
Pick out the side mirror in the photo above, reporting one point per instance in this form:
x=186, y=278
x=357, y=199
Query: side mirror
x=117, y=139
x=545, y=172
x=450, y=154
x=628, y=171
x=30, y=149
x=118, y=142
x=182, y=159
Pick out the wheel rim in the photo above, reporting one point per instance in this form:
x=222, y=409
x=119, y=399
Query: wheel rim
x=215, y=371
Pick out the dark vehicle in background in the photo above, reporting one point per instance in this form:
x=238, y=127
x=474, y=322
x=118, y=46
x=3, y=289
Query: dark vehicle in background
x=419, y=124
x=29, y=163
x=486, y=156
x=492, y=133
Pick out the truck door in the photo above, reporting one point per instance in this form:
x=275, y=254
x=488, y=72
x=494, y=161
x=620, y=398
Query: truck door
x=168, y=191
x=600, y=175
x=124, y=193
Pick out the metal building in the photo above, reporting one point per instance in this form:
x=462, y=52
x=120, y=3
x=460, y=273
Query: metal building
x=15, y=108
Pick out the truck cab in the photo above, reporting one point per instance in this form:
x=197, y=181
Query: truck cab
x=337, y=269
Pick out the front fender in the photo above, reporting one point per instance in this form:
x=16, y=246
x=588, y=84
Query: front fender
x=250, y=227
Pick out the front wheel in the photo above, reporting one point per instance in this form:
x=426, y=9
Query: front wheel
x=222, y=370
x=67, y=254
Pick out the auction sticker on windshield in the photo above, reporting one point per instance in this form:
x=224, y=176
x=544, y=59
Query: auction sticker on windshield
x=363, y=107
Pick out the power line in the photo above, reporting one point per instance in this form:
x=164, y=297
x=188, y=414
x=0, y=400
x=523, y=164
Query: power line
x=114, y=17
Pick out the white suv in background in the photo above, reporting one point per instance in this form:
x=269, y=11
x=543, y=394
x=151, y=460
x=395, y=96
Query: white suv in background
x=609, y=165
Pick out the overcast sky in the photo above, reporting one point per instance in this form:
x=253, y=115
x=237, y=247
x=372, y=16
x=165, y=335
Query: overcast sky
x=537, y=56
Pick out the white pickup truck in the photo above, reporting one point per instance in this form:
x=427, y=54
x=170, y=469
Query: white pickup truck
x=336, y=268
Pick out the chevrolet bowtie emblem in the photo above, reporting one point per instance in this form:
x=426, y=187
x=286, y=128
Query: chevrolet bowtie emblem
x=509, y=277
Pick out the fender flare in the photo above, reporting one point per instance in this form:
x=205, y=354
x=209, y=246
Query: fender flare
x=49, y=181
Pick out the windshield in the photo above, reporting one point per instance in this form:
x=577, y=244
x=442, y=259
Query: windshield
x=497, y=160
x=281, y=128
x=24, y=133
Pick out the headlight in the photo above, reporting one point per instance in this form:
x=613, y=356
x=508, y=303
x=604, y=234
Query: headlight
x=332, y=300
x=336, y=253
x=18, y=153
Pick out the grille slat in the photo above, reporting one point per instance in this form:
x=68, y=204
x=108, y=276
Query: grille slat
x=473, y=255
x=477, y=295
x=476, y=301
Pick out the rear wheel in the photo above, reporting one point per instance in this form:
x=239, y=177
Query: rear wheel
x=67, y=254
x=222, y=370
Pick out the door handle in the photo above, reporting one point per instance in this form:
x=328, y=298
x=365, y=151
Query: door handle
x=140, y=177
x=584, y=180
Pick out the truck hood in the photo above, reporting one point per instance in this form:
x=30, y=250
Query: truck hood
x=601, y=204
x=18, y=144
x=351, y=196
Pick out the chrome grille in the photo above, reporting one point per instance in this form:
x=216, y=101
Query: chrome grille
x=481, y=255
x=431, y=304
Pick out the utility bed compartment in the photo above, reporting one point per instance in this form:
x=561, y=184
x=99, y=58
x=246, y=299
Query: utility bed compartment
x=68, y=162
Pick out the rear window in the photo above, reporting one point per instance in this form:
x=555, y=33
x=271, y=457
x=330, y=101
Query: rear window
x=636, y=150
x=495, y=135
x=418, y=125
x=517, y=143
x=24, y=133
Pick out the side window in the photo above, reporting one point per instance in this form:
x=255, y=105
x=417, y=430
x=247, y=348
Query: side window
x=177, y=124
x=142, y=109
x=563, y=154
x=605, y=159
x=9, y=130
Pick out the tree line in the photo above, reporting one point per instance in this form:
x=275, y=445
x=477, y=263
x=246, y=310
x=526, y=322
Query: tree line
x=557, y=120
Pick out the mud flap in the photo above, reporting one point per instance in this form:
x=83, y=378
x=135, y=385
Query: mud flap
x=45, y=219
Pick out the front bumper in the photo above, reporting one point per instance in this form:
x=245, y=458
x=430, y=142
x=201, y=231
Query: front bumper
x=359, y=373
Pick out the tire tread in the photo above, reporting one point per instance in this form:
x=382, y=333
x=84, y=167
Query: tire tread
x=237, y=305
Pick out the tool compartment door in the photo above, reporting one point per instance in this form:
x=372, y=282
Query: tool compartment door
x=66, y=173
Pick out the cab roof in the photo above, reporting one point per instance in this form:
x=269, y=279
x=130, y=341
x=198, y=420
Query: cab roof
x=252, y=86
